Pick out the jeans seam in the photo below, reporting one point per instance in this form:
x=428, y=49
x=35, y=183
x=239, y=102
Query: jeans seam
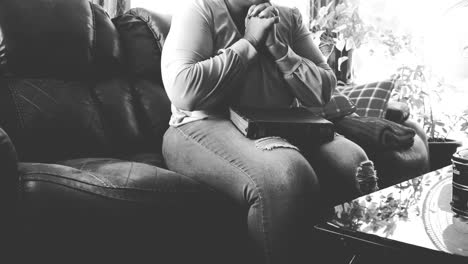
x=260, y=195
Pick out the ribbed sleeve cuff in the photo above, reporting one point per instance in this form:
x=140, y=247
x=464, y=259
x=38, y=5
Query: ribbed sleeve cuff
x=244, y=50
x=289, y=62
x=324, y=66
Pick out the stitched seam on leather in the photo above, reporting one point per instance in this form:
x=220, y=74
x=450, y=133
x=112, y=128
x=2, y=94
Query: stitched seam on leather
x=99, y=179
x=152, y=31
x=83, y=165
x=31, y=103
x=259, y=191
x=153, y=190
x=94, y=29
x=180, y=175
x=129, y=174
x=94, y=192
x=61, y=176
x=15, y=101
x=40, y=89
x=21, y=109
x=107, y=184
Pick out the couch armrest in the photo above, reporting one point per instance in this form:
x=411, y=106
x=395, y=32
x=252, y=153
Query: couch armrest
x=397, y=112
x=8, y=171
x=9, y=182
x=419, y=131
x=394, y=166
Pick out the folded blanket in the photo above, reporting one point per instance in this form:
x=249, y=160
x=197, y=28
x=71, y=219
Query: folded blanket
x=375, y=132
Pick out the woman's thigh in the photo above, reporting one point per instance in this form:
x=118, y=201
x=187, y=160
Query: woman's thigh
x=278, y=187
x=336, y=163
x=215, y=152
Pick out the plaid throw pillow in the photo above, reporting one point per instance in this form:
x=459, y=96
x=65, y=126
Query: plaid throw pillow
x=370, y=99
x=338, y=106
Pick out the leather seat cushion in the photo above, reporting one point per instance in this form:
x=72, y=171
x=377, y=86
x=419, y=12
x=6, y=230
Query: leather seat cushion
x=154, y=159
x=108, y=183
x=118, y=211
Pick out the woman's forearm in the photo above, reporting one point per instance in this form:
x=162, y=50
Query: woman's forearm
x=311, y=84
x=278, y=50
x=199, y=84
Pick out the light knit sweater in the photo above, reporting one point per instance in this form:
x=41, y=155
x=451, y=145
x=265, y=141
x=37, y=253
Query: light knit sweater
x=207, y=65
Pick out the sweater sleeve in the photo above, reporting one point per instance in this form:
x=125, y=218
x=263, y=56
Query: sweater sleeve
x=196, y=76
x=309, y=77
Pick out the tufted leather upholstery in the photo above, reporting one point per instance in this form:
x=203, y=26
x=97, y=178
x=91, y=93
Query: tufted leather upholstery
x=82, y=99
x=84, y=110
x=72, y=112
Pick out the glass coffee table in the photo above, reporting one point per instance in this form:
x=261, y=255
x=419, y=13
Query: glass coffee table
x=410, y=219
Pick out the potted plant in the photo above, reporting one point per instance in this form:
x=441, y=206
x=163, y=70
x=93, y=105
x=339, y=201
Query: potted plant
x=338, y=30
x=422, y=92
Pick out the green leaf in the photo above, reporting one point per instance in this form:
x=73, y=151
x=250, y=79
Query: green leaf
x=465, y=52
x=340, y=44
x=339, y=28
x=350, y=44
x=340, y=61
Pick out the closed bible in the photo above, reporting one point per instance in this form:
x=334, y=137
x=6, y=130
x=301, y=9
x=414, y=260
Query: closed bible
x=294, y=124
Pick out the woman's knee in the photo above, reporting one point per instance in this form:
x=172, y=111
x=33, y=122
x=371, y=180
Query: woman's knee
x=337, y=163
x=292, y=175
x=342, y=155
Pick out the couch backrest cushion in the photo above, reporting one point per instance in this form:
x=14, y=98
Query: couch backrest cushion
x=108, y=101
x=56, y=39
x=143, y=33
x=106, y=52
x=51, y=119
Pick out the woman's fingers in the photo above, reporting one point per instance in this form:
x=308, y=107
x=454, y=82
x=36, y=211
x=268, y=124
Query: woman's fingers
x=257, y=9
x=251, y=8
x=274, y=20
x=275, y=11
x=269, y=12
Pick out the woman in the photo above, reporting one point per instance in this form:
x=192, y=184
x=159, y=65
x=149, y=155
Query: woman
x=250, y=53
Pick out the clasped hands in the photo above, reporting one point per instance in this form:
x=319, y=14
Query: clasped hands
x=260, y=28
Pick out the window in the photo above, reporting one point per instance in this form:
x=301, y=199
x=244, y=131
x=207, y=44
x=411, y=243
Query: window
x=427, y=33
x=161, y=6
x=437, y=32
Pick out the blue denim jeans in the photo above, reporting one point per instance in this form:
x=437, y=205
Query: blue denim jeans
x=283, y=190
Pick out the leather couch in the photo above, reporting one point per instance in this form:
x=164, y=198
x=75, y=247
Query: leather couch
x=82, y=115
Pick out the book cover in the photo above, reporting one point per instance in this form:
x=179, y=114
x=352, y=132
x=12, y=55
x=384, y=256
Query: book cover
x=295, y=124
